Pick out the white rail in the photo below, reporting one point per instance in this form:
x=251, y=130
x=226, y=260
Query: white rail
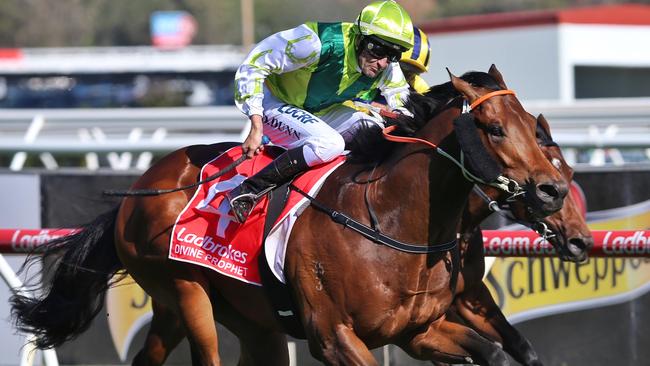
x=608, y=131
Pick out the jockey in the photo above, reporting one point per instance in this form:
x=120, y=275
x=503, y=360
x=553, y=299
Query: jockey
x=416, y=61
x=293, y=83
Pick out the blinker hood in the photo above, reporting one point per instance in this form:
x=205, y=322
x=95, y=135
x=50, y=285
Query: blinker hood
x=480, y=161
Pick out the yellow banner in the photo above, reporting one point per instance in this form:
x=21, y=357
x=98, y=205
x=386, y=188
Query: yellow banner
x=527, y=288
x=129, y=309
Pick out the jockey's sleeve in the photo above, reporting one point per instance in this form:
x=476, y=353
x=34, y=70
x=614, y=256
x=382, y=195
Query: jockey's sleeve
x=393, y=86
x=279, y=53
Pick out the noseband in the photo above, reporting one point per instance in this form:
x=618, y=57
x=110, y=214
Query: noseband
x=498, y=180
x=503, y=210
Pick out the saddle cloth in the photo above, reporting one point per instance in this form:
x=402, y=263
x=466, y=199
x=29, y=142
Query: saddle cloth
x=206, y=234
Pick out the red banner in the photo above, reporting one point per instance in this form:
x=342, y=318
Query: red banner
x=13, y=241
x=607, y=243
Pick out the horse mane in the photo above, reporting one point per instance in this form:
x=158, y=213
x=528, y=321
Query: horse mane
x=368, y=146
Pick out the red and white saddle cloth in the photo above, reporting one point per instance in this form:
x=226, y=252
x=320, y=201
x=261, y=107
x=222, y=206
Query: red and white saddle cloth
x=206, y=233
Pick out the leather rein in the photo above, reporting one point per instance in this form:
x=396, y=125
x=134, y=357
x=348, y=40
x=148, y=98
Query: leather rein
x=502, y=182
x=374, y=233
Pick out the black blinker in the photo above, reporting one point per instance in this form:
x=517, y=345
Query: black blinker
x=480, y=161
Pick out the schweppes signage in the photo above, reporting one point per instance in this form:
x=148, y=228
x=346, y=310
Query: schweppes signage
x=527, y=288
x=129, y=309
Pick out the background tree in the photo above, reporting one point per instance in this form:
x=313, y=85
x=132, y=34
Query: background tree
x=70, y=23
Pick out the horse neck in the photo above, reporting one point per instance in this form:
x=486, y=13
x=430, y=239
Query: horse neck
x=476, y=210
x=425, y=188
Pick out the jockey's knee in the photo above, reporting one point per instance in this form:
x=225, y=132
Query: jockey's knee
x=319, y=150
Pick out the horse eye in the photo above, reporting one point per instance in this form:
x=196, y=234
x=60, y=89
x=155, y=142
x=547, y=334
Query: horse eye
x=556, y=163
x=496, y=130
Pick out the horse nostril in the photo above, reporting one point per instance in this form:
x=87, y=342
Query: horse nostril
x=549, y=189
x=580, y=244
x=553, y=190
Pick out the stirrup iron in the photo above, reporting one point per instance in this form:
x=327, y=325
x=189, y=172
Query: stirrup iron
x=243, y=203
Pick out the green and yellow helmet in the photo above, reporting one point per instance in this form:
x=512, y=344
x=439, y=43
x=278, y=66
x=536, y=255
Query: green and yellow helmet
x=389, y=21
x=418, y=56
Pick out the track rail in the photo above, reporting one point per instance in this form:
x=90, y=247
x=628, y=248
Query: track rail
x=607, y=243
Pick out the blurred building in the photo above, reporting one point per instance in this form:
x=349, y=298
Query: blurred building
x=560, y=55
x=118, y=77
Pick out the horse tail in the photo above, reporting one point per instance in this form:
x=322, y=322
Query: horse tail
x=83, y=266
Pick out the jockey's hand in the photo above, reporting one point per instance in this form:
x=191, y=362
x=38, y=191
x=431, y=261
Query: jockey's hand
x=253, y=144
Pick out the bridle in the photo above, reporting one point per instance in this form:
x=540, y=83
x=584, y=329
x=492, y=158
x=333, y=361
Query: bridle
x=503, y=183
x=503, y=210
x=539, y=226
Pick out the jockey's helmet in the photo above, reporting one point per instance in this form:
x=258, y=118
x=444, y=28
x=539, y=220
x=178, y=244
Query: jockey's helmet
x=388, y=21
x=418, y=56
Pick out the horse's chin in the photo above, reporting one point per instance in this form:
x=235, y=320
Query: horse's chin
x=570, y=249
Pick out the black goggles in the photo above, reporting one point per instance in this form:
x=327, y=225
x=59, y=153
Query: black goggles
x=380, y=50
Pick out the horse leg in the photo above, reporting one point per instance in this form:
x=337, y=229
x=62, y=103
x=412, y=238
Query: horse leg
x=341, y=346
x=165, y=333
x=184, y=307
x=478, y=309
x=263, y=348
x=453, y=343
x=259, y=345
x=195, y=311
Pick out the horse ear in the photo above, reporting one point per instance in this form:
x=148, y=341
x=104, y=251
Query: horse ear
x=494, y=72
x=541, y=120
x=463, y=87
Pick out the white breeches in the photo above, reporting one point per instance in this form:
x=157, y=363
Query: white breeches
x=323, y=137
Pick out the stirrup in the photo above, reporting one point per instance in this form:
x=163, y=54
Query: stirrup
x=242, y=205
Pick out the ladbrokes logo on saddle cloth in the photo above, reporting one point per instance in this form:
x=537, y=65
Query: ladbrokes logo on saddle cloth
x=206, y=233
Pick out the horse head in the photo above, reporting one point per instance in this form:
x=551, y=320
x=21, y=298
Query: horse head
x=568, y=229
x=565, y=229
x=498, y=139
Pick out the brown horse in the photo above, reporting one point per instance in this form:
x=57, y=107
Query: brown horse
x=351, y=293
x=567, y=231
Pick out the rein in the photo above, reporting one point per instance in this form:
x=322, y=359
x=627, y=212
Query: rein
x=375, y=234
x=501, y=182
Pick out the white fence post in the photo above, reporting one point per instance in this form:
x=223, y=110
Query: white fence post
x=35, y=127
x=16, y=286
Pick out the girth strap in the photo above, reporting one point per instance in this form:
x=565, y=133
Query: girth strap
x=374, y=234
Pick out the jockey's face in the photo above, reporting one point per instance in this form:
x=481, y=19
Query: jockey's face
x=370, y=65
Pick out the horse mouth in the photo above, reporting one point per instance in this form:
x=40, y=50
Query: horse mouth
x=574, y=248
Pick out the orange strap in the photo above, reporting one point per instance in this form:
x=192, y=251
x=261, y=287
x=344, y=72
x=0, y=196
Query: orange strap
x=487, y=96
x=386, y=131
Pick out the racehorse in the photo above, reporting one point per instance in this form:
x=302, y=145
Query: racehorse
x=351, y=293
x=566, y=230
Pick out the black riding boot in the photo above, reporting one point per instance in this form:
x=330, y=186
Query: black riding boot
x=244, y=197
